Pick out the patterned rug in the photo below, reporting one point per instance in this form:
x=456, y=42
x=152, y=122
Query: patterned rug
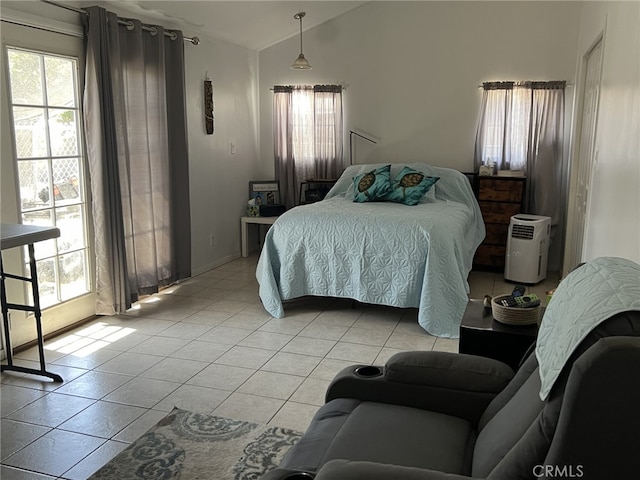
x=186, y=445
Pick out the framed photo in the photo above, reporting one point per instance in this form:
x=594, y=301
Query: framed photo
x=265, y=192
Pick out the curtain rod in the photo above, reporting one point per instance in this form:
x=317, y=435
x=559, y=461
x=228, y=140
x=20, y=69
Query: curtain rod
x=126, y=23
x=344, y=87
x=567, y=84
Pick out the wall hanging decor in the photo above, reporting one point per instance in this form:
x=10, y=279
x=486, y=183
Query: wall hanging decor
x=208, y=104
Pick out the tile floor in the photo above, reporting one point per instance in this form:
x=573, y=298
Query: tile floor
x=206, y=345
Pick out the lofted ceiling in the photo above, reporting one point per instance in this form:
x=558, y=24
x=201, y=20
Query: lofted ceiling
x=251, y=24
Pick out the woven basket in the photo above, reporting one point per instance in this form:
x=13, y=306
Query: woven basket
x=514, y=315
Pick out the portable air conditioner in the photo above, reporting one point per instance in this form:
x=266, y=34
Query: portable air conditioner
x=527, y=248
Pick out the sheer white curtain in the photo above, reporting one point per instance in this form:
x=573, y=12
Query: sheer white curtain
x=503, y=127
x=521, y=127
x=307, y=136
x=303, y=133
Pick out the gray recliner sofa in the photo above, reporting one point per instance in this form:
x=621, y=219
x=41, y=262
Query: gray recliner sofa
x=437, y=415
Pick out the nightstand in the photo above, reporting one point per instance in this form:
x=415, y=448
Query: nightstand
x=481, y=334
x=244, y=222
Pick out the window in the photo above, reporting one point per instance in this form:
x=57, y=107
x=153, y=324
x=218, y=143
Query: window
x=505, y=135
x=50, y=165
x=307, y=135
x=510, y=120
x=303, y=126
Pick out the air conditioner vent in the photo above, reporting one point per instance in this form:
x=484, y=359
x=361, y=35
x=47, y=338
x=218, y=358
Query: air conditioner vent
x=522, y=231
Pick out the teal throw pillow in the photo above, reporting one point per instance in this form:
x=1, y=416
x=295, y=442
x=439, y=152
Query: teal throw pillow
x=373, y=185
x=409, y=186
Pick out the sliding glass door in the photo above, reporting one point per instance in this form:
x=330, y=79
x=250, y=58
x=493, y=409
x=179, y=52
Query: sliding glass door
x=43, y=151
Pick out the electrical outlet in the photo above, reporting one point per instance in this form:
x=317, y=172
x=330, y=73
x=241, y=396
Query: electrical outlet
x=211, y=240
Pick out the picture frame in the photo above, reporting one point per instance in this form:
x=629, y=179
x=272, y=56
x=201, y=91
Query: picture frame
x=265, y=192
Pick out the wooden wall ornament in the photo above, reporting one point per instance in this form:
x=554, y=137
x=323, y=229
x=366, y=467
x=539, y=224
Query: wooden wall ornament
x=208, y=105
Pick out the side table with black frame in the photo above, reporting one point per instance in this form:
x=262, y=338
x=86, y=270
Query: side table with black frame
x=481, y=334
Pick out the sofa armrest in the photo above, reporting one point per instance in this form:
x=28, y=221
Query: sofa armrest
x=350, y=470
x=451, y=383
x=449, y=370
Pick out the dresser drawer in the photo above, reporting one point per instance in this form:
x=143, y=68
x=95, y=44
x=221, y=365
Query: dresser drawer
x=496, y=233
x=490, y=255
x=500, y=189
x=494, y=212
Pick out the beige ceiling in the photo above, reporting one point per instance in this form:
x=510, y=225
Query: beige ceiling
x=252, y=24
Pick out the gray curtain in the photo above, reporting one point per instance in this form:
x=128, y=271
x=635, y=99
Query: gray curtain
x=521, y=127
x=545, y=169
x=328, y=131
x=285, y=166
x=135, y=124
x=308, y=131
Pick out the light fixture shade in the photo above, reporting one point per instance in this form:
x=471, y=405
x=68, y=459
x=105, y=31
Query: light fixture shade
x=301, y=63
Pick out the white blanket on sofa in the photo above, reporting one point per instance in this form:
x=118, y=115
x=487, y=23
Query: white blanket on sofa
x=588, y=296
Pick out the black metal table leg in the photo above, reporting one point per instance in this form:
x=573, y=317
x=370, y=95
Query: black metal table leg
x=5, y=315
x=38, y=318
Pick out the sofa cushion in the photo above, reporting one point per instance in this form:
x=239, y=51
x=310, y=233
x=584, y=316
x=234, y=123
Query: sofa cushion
x=601, y=401
x=518, y=416
x=383, y=433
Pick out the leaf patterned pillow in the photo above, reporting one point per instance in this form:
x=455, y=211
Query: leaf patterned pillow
x=372, y=186
x=409, y=186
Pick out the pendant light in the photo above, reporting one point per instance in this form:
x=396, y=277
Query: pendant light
x=300, y=63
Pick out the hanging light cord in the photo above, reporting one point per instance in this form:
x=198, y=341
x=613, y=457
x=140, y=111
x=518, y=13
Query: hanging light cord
x=300, y=15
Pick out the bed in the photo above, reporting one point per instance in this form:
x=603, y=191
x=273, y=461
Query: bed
x=382, y=253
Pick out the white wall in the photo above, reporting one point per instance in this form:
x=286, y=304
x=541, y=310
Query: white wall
x=412, y=70
x=219, y=179
x=613, y=227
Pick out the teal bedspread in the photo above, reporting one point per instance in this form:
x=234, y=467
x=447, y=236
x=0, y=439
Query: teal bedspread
x=378, y=252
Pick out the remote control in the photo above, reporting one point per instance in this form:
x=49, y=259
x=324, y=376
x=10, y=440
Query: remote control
x=526, y=301
x=518, y=291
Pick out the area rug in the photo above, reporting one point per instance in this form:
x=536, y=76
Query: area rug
x=187, y=445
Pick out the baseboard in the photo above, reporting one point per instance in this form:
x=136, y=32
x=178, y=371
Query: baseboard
x=48, y=336
x=210, y=266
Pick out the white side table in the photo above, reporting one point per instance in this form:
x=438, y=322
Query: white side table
x=244, y=221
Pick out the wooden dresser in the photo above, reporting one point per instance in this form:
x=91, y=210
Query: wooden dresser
x=500, y=198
